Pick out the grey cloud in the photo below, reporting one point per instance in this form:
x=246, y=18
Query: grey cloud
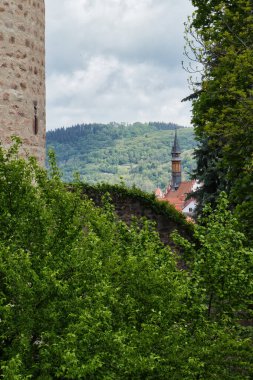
x=148, y=32
x=115, y=60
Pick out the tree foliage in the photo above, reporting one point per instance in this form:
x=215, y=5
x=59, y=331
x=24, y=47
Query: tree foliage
x=140, y=153
x=85, y=296
x=223, y=108
x=220, y=262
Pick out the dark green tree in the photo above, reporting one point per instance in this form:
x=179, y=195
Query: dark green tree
x=223, y=105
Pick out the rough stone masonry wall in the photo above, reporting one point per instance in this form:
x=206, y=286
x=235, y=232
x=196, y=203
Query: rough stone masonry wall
x=22, y=74
x=128, y=205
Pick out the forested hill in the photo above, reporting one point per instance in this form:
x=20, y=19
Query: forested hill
x=135, y=153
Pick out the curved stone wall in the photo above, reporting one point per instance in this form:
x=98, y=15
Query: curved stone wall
x=22, y=74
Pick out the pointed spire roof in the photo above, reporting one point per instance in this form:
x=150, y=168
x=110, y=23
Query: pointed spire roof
x=176, y=147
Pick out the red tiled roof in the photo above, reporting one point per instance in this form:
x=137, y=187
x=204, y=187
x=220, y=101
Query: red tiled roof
x=179, y=205
x=177, y=197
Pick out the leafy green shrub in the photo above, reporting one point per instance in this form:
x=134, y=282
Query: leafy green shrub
x=84, y=296
x=221, y=262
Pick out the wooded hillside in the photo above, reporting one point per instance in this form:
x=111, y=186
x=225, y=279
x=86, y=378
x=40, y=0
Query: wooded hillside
x=135, y=153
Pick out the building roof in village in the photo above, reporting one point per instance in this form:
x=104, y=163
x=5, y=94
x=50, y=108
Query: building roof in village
x=185, y=187
x=178, y=197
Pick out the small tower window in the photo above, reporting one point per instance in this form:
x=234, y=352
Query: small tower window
x=35, y=120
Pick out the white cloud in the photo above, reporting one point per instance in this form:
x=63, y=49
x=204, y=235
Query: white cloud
x=115, y=60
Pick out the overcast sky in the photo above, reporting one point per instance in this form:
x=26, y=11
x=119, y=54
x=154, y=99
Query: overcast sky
x=115, y=60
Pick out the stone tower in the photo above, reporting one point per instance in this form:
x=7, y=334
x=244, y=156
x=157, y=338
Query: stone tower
x=176, y=164
x=22, y=74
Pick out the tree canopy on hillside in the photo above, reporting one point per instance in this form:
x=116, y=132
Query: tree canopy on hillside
x=138, y=153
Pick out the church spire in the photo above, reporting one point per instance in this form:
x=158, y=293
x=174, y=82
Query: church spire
x=176, y=148
x=176, y=164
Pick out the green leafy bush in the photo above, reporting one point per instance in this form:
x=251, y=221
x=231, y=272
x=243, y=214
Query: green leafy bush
x=221, y=262
x=84, y=296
